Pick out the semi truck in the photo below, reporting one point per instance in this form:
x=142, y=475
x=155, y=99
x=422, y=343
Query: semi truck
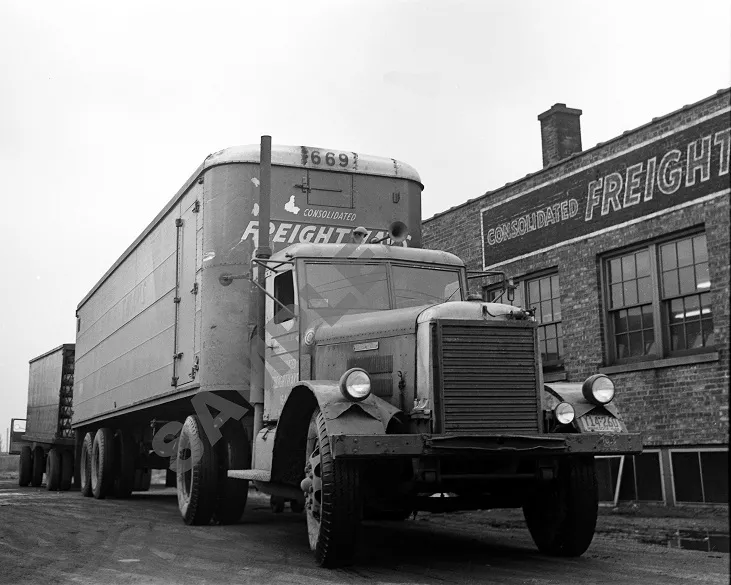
x=48, y=439
x=329, y=360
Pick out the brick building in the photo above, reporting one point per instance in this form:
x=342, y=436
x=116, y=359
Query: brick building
x=623, y=249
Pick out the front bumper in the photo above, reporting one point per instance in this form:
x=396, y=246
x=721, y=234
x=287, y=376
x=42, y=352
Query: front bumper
x=377, y=446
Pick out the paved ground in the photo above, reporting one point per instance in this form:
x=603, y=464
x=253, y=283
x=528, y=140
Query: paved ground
x=60, y=537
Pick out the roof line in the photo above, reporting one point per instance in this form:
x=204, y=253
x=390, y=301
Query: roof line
x=579, y=154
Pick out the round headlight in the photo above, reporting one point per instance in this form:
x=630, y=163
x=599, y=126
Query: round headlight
x=598, y=389
x=564, y=413
x=355, y=384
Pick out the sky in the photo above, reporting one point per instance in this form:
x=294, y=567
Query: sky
x=105, y=112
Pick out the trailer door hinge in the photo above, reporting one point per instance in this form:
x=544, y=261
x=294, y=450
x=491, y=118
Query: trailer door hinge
x=174, y=381
x=177, y=356
x=176, y=299
x=194, y=290
x=196, y=206
x=178, y=222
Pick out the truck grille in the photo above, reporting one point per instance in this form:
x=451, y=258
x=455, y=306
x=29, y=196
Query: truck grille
x=486, y=377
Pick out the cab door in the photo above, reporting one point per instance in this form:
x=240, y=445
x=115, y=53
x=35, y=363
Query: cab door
x=282, y=342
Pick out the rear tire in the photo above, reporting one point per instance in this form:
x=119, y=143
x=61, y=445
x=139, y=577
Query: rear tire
x=233, y=453
x=124, y=457
x=67, y=470
x=53, y=470
x=333, y=503
x=562, y=515
x=102, y=463
x=85, y=465
x=39, y=465
x=197, y=467
x=25, y=466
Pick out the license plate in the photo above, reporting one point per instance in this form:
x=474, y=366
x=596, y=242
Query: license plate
x=599, y=423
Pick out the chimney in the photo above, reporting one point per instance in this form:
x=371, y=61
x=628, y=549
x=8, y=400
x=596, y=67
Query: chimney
x=560, y=133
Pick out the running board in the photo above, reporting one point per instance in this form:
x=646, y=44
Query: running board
x=251, y=474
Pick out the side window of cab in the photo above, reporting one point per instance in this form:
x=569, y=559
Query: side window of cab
x=284, y=293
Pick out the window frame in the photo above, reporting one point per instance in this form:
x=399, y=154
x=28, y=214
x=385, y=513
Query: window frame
x=698, y=451
x=661, y=321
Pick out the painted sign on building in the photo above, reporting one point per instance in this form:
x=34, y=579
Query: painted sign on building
x=649, y=179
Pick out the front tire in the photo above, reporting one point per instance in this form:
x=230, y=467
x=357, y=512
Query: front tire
x=197, y=468
x=562, y=515
x=85, y=465
x=332, y=499
x=25, y=471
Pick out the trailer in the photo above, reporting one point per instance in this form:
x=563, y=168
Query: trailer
x=49, y=440
x=328, y=360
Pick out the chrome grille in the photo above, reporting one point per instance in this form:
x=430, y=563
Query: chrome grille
x=486, y=377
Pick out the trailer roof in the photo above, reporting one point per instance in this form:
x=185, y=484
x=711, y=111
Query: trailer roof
x=366, y=252
x=302, y=156
x=54, y=350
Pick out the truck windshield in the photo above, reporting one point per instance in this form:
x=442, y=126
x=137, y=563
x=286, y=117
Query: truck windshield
x=414, y=286
x=337, y=289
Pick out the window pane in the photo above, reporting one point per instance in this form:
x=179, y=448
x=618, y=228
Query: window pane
x=670, y=286
x=634, y=319
x=693, y=334
x=668, y=258
x=607, y=470
x=533, y=296
x=714, y=465
x=699, y=248
x=560, y=346
x=555, y=291
x=687, y=280
x=621, y=346
x=551, y=350
x=677, y=337
x=687, y=477
x=647, y=317
x=615, y=270
x=620, y=322
x=677, y=312
x=616, y=294
x=636, y=345
x=649, y=482
x=630, y=292
x=546, y=313
x=550, y=331
x=541, y=333
x=685, y=252
x=628, y=267
x=644, y=286
x=702, y=280
x=545, y=284
x=556, y=309
x=643, y=263
x=692, y=308
x=649, y=341
x=627, y=487
x=707, y=327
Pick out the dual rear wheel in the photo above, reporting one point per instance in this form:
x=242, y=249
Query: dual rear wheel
x=57, y=464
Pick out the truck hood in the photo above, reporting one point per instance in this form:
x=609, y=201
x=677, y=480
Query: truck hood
x=402, y=321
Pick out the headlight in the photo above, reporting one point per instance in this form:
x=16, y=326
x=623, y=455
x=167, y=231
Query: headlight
x=598, y=389
x=564, y=413
x=355, y=384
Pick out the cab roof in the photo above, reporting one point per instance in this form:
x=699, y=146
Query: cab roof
x=366, y=252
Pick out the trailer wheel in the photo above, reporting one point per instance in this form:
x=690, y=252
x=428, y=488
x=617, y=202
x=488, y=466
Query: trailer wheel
x=53, y=469
x=25, y=466
x=39, y=465
x=67, y=470
x=232, y=453
x=87, y=448
x=332, y=499
x=561, y=516
x=102, y=463
x=124, y=457
x=197, y=468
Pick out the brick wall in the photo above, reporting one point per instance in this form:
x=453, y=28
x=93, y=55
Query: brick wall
x=679, y=405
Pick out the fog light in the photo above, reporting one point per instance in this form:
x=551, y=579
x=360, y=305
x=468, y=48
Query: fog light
x=564, y=413
x=598, y=389
x=355, y=384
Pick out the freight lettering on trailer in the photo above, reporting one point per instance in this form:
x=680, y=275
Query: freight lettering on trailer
x=283, y=232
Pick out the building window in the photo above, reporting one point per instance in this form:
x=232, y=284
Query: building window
x=543, y=295
x=658, y=300
x=497, y=294
x=630, y=478
x=700, y=476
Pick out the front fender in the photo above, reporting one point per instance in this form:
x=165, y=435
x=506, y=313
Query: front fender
x=571, y=393
x=342, y=417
